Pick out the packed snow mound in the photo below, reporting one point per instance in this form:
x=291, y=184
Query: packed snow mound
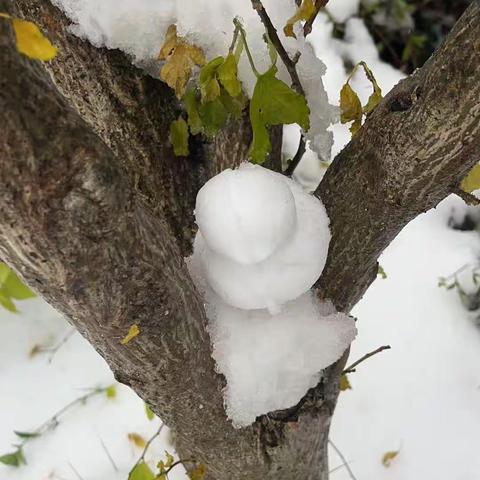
x=262, y=240
x=262, y=243
x=138, y=28
x=270, y=361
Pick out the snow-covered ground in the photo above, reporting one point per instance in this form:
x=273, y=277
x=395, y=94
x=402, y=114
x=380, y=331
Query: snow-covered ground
x=422, y=397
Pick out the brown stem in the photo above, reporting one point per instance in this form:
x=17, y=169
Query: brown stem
x=351, y=368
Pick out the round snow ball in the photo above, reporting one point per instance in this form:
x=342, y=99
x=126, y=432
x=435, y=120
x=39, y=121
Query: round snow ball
x=246, y=214
x=284, y=275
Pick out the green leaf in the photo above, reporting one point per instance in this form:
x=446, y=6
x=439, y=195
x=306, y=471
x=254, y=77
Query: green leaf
x=25, y=435
x=15, y=459
x=472, y=181
x=15, y=288
x=233, y=105
x=273, y=103
x=209, y=86
x=170, y=459
x=141, y=472
x=149, y=412
x=192, y=105
x=7, y=303
x=227, y=75
x=350, y=108
x=4, y=272
x=111, y=391
x=179, y=137
x=381, y=272
x=214, y=116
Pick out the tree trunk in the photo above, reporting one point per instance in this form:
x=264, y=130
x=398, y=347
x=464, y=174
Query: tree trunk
x=96, y=215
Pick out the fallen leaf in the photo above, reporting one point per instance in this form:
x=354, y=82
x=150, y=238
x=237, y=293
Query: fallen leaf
x=137, y=440
x=388, y=457
x=132, y=333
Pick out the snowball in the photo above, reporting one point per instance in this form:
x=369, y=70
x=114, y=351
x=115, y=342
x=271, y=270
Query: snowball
x=246, y=214
x=295, y=261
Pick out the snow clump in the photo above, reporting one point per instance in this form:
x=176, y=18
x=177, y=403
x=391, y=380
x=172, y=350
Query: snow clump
x=138, y=27
x=261, y=245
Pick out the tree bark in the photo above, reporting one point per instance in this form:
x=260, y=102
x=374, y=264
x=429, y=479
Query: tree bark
x=96, y=215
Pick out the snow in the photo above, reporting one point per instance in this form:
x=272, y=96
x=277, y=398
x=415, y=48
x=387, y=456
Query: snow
x=262, y=243
x=268, y=262
x=423, y=396
x=420, y=397
x=246, y=214
x=138, y=28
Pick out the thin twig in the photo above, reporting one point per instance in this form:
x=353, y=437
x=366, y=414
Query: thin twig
x=293, y=163
x=110, y=458
x=272, y=34
x=345, y=463
x=62, y=342
x=291, y=65
x=307, y=28
x=351, y=368
x=75, y=471
x=468, y=198
x=147, y=446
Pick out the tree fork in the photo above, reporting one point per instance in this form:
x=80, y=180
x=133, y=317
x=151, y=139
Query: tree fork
x=103, y=239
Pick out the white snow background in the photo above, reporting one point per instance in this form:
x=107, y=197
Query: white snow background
x=422, y=397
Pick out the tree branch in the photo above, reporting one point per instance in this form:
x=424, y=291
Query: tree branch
x=418, y=144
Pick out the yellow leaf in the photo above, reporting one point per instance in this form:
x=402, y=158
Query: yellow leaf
x=132, y=333
x=137, y=440
x=350, y=108
x=472, y=181
x=304, y=12
x=31, y=41
x=198, y=473
x=35, y=350
x=388, y=457
x=180, y=58
x=344, y=383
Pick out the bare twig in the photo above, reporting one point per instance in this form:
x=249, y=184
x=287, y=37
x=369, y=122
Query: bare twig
x=147, y=446
x=351, y=368
x=107, y=453
x=293, y=163
x=75, y=471
x=345, y=463
x=307, y=28
x=272, y=34
x=53, y=351
x=468, y=198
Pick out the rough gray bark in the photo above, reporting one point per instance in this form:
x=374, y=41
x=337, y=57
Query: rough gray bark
x=96, y=215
